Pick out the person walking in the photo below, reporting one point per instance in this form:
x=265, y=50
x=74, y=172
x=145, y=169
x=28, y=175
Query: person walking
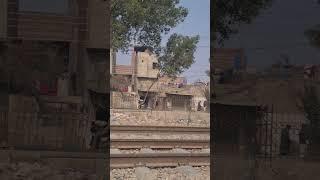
x=302, y=140
x=93, y=131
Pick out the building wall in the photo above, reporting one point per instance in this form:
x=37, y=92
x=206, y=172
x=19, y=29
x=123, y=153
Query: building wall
x=99, y=31
x=95, y=69
x=223, y=59
x=26, y=128
x=179, y=102
x=123, y=100
x=36, y=24
x=3, y=19
x=145, y=83
x=145, y=65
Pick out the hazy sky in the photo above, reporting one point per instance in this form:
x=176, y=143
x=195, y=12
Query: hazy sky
x=280, y=30
x=197, y=23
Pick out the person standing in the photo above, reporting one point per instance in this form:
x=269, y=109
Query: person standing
x=205, y=104
x=285, y=141
x=93, y=131
x=302, y=140
x=199, y=106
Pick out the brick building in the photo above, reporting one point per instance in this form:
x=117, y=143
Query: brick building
x=145, y=84
x=228, y=64
x=77, y=33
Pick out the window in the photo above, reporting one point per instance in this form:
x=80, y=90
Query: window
x=154, y=65
x=45, y=6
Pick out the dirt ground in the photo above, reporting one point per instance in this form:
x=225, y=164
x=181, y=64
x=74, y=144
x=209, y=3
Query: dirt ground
x=280, y=169
x=293, y=169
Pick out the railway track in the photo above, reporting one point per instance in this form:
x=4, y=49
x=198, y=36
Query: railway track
x=159, y=160
x=159, y=129
x=159, y=144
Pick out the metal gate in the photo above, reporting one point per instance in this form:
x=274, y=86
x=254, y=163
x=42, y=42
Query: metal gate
x=233, y=137
x=264, y=133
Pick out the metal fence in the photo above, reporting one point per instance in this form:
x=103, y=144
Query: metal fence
x=256, y=128
x=62, y=124
x=3, y=127
x=269, y=128
x=50, y=131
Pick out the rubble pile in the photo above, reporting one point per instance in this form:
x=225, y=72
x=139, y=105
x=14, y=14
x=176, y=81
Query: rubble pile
x=178, y=173
x=149, y=119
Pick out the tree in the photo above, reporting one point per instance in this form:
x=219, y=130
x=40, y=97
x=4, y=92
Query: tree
x=313, y=35
x=143, y=22
x=311, y=107
x=178, y=55
x=228, y=15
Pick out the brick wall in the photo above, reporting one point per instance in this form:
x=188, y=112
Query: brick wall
x=123, y=101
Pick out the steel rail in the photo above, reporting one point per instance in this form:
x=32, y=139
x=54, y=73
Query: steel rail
x=159, y=129
x=159, y=143
x=123, y=160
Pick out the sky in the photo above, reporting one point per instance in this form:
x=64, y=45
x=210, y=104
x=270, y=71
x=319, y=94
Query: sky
x=196, y=23
x=280, y=30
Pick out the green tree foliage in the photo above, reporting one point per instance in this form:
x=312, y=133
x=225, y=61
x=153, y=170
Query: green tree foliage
x=313, y=36
x=178, y=55
x=143, y=22
x=311, y=107
x=228, y=15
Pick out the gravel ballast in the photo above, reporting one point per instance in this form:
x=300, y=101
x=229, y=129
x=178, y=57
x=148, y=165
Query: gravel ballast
x=178, y=173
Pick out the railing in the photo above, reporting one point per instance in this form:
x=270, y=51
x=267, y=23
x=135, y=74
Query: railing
x=61, y=124
x=3, y=127
x=49, y=131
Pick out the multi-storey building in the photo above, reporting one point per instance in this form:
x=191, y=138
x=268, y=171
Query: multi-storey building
x=78, y=27
x=226, y=63
x=74, y=33
x=147, y=86
x=226, y=58
x=142, y=71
